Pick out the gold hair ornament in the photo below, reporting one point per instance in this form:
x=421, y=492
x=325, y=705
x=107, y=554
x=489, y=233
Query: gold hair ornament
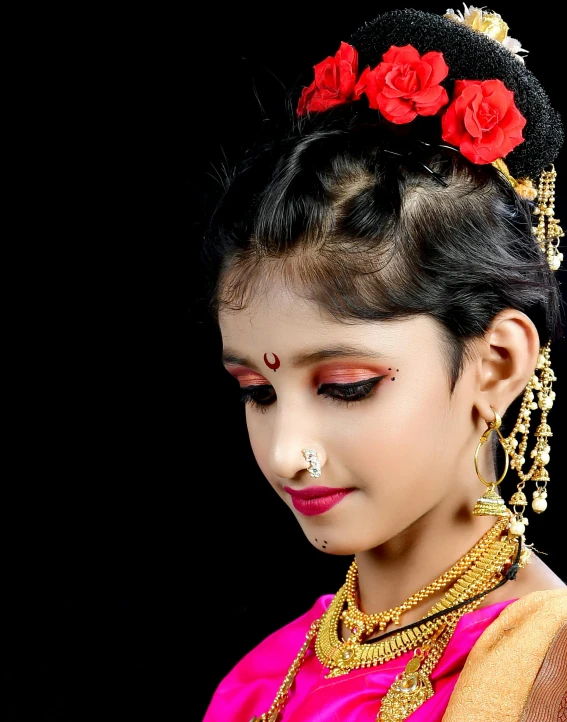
x=548, y=231
x=524, y=186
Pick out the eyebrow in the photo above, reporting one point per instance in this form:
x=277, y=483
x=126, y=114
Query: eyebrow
x=306, y=358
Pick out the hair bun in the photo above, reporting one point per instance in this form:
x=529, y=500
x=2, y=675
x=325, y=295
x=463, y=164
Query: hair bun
x=472, y=55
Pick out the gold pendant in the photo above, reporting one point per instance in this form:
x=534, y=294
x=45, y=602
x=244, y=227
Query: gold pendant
x=408, y=692
x=343, y=659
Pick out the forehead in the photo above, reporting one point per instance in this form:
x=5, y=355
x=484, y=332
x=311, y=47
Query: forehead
x=274, y=306
x=279, y=318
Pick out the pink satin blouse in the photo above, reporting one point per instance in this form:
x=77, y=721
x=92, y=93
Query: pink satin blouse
x=250, y=687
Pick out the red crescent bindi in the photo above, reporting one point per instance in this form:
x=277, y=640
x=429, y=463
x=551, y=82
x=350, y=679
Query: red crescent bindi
x=275, y=365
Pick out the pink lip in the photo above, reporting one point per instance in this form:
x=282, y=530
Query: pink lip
x=316, y=499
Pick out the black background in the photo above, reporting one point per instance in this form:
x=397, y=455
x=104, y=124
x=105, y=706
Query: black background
x=145, y=552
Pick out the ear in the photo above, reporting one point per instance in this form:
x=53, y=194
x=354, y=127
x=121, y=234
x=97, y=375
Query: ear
x=507, y=358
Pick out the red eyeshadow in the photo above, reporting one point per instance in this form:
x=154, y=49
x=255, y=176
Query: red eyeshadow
x=246, y=377
x=346, y=373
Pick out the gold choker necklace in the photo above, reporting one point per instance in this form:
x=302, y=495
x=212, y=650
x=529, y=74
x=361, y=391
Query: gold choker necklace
x=361, y=624
x=479, y=570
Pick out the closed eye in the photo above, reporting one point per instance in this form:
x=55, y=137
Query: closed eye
x=350, y=392
x=262, y=395
x=258, y=395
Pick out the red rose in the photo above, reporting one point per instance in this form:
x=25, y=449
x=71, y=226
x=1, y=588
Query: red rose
x=405, y=84
x=334, y=82
x=483, y=120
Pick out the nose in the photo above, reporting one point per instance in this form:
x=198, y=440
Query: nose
x=295, y=450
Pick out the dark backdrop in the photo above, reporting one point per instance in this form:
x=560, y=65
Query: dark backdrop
x=268, y=573
x=146, y=553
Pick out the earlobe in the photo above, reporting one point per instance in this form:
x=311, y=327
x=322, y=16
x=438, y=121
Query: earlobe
x=508, y=354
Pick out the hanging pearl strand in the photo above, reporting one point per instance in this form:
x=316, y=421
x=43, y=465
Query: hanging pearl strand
x=540, y=453
x=548, y=231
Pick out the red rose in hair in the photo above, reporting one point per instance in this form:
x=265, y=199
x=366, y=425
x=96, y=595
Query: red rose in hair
x=405, y=84
x=334, y=82
x=483, y=120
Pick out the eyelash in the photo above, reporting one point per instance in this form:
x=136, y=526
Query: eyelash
x=260, y=396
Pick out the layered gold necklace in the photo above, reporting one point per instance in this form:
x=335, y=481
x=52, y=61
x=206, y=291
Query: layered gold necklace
x=473, y=576
x=474, y=573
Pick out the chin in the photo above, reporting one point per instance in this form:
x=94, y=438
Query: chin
x=336, y=546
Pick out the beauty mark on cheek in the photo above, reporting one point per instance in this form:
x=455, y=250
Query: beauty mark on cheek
x=393, y=377
x=275, y=364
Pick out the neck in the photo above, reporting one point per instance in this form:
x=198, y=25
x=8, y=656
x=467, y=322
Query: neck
x=397, y=569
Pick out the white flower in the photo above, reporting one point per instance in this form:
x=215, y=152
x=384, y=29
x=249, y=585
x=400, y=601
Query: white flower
x=490, y=24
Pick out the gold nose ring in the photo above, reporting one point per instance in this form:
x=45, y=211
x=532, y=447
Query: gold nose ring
x=314, y=467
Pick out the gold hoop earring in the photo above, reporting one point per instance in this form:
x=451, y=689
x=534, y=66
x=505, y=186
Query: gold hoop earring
x=491, y=503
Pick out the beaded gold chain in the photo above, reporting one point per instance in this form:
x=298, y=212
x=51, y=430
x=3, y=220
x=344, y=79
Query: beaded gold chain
x=362, y=624
x=281, y=697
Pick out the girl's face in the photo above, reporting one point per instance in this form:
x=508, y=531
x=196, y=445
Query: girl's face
x=372, y=399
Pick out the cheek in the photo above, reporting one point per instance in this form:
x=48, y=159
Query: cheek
x=400, y=433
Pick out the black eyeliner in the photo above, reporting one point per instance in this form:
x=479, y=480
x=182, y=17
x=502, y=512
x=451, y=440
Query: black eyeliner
x=322, y=388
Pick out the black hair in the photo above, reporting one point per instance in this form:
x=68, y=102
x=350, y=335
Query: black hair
x=377, y=221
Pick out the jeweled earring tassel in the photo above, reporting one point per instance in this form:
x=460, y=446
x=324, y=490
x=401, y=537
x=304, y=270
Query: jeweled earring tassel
x=539, y=498
x=548, y=231
x=540, y=454
x=490, y=504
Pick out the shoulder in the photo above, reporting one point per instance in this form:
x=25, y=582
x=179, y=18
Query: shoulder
x=545, y=606
x=526, y=626
x=537, y=615
x=521, y=639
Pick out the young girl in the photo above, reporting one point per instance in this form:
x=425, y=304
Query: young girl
x=386, y=292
